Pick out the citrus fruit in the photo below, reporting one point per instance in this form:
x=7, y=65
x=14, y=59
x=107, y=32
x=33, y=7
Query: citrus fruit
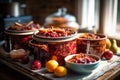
x=60, y=71
x=51, y=65
x=54, y=57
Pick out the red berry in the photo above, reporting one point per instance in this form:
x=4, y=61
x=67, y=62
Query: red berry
x=36, y=64
x=108, y=54
x=25, y=59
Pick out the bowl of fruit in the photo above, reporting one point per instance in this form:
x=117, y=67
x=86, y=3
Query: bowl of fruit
x=82, y=63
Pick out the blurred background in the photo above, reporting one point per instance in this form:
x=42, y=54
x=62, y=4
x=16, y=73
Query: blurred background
x=37, y=10
x=104, y=15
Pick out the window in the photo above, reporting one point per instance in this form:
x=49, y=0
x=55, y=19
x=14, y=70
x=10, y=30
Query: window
x=88, y=11
x=109, y=18
x=103, y=14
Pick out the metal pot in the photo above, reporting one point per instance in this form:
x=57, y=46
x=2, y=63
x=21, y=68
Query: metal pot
x=97, y=43
x=53, y=48
x=17, y=39
x=17, y=35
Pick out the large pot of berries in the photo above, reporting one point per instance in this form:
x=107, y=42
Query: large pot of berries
x=17, y=35
x=54, y=43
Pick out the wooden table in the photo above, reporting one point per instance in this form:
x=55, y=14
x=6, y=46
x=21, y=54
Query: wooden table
x=7, y=73
x=109, y=72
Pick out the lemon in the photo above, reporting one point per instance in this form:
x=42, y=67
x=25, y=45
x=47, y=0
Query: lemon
x=60, y=71
x=51, y=65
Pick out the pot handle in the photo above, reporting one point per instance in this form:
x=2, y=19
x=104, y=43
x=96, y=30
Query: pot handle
x=42, y=47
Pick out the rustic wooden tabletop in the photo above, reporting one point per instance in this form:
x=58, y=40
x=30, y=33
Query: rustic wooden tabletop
x=12, y=70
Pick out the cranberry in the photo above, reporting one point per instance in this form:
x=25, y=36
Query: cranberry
x=25, y=59
x=36, y=64
x=108, y=54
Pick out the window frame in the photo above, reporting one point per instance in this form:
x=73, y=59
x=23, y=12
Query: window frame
x=88, y=14
x=108, y=17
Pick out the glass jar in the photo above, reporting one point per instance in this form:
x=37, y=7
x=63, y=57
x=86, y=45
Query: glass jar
x=61, y=19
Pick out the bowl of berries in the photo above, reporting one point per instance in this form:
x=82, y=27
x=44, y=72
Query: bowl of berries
x=82, y=63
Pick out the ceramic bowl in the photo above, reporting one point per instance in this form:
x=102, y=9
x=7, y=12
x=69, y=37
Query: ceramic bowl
x=80, y=67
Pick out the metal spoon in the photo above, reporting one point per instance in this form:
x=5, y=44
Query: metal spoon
x=88, y=47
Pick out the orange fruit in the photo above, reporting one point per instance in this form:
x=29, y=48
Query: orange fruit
x=51, y=65
x=60, y=71
x=54, y=57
